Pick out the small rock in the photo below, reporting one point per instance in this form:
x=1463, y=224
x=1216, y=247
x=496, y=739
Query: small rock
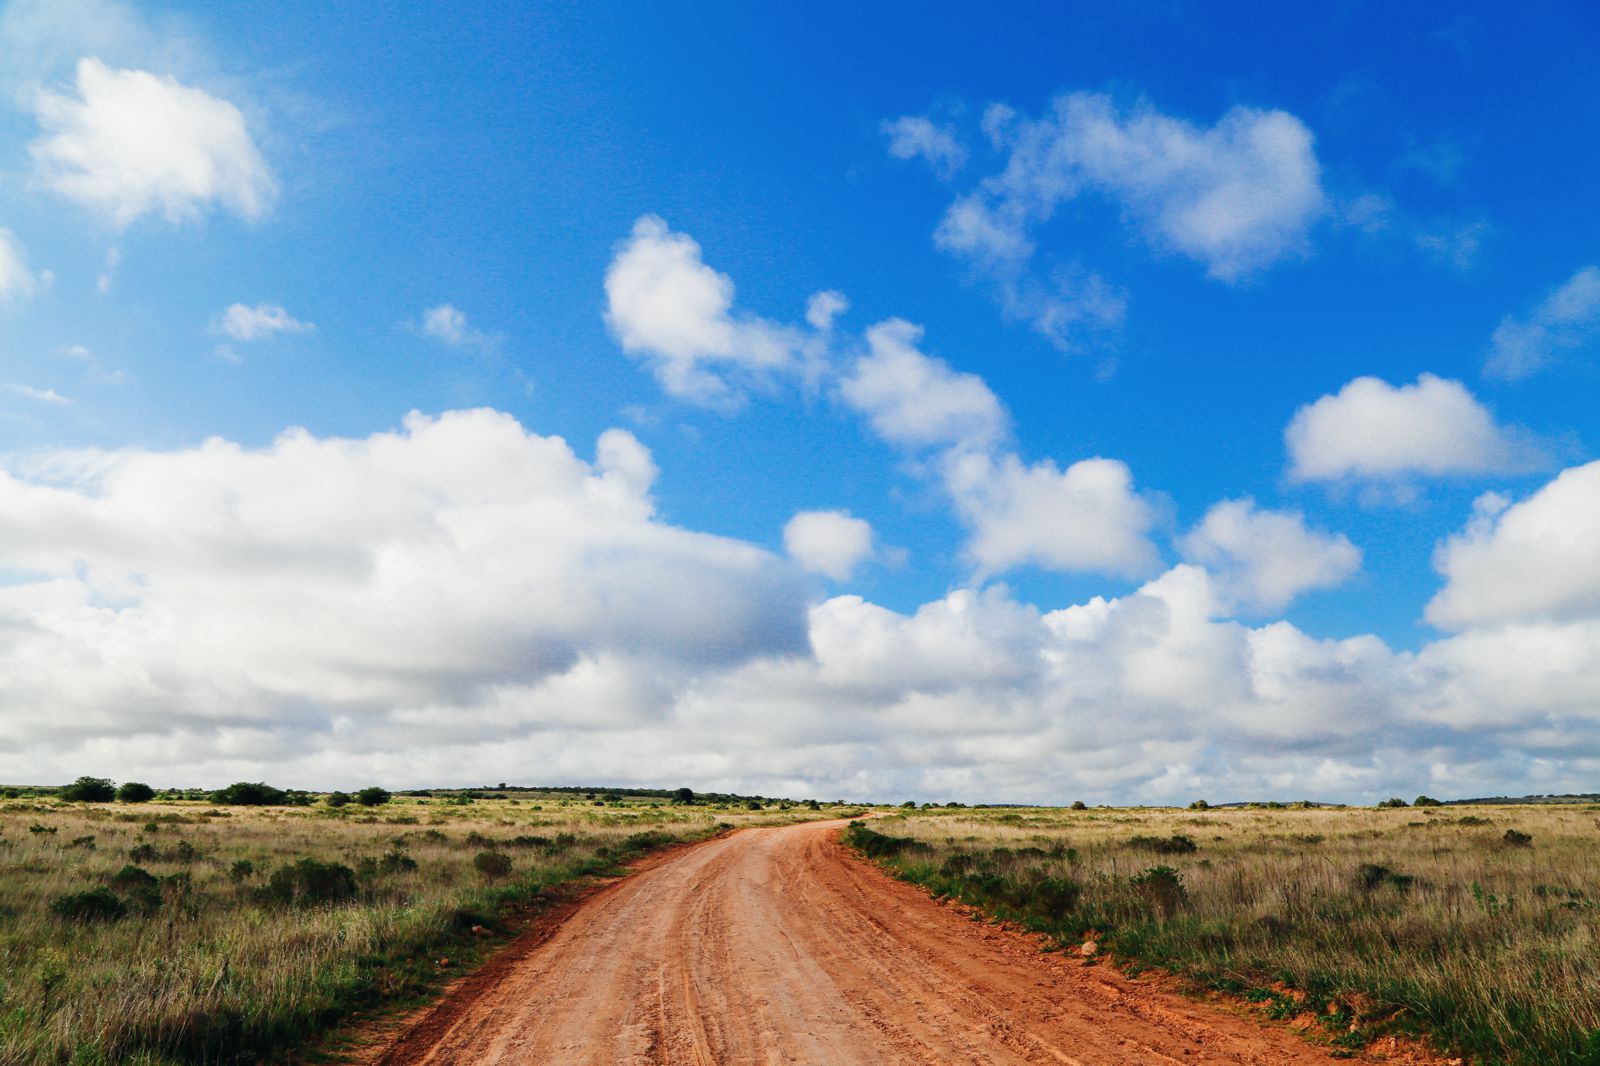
x=1089, y=949
x=479, y=930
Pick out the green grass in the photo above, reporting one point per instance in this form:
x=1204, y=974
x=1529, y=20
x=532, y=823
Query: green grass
x=243, y=932
x=1378, y=922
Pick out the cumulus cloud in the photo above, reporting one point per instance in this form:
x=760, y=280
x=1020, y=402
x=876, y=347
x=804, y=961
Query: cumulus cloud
x=448, y=324
x=499, y=607
x=1086, y=517
x=1237, y=197
x=919, y=137
x=831, y=543
x=130, y=143
x=445, y=568
x=1533, y=561
x=1262, y=559
x=261, y=322
x=1371, y=431
x=916, y=400
x=16, y=280
x=668, y=308
x=1566, y=320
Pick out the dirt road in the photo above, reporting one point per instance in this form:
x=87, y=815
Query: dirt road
x=776, y=946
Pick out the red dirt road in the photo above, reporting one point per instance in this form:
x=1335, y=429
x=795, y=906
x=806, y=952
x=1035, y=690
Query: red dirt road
x=773, y=946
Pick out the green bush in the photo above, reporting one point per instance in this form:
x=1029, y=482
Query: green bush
x=135, y=792
x=1394, y=801
x=130, y=877
x=1162, y=888
x=89, y=790
x=1516, y=838
x=308, y=883
x=1079, y=805
x=338, y=799
x=1177, y=844
x=250, y=794
x=242, y=870
x=1426, y=801
x=373, y=797
x=492, y=865
x=96, y=905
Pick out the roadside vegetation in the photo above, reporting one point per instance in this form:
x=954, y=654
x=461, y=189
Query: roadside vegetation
x=1476, y=927
x=160, y=927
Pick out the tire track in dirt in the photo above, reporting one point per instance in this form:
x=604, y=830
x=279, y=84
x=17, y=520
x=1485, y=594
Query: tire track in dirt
x=776, y=946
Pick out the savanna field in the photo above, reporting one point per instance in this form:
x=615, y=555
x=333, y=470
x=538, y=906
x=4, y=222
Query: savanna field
x=1477, y=927
x=182, y=930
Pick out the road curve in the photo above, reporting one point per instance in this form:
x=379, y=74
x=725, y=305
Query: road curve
x=773, y=946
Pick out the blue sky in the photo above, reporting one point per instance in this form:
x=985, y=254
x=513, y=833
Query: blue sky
x=1295, y=290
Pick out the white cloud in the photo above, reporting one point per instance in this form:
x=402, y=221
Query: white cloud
x=448, y=324
x=260, y=322
x=1086, y=517
x=459, y=563
x=16, y=280
x=1371, y=431
x=463, y=600
x=28, y=392
x=667, y=307
x=1238, y=196
x=1534, y=561
x=823, y=307
x=917, y=136
x=1262, y=559
x=1566, y=320
x=916, y=400
x=831, y=543
x=130, y=143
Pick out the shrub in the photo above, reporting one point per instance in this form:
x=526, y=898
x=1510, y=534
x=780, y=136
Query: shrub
x=1371, y=876
x=143, y=853
x=1516, y=838
x=1079, y=805
x=492, y=865
x=373, y=797
x=37, y=828
x=86, y=842
x=242, y=870
x=338, y=799
x=1199, y=805
x=96, y=905
x=683, y=795
x=89, y=790
x=308, y=883
x=1394, y=801
x=135, y=792
x=250, y=794
x=1162, y=888
x=133, y=877
x=1177, y=844
x=877, y=845
x=1426, y=801
x=397, y=862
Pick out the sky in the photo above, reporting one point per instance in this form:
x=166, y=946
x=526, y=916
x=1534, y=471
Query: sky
x=1129, y=403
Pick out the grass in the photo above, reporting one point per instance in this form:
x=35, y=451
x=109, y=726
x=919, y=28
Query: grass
x=182, y=932
x=1477, y=927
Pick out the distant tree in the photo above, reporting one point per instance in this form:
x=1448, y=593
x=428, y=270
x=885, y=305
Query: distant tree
x=373, y=797
x=1426, y=801
x=910, y=804
x=683, y=795
x=135, y=792
x=1394, y=801
x=89, y=790
x=250, y=794
x=337, y=799
x=1199, y=805
x=1079, y=805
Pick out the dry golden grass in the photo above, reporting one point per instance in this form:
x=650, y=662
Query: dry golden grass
x=207, y=967
x=1414, y=917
